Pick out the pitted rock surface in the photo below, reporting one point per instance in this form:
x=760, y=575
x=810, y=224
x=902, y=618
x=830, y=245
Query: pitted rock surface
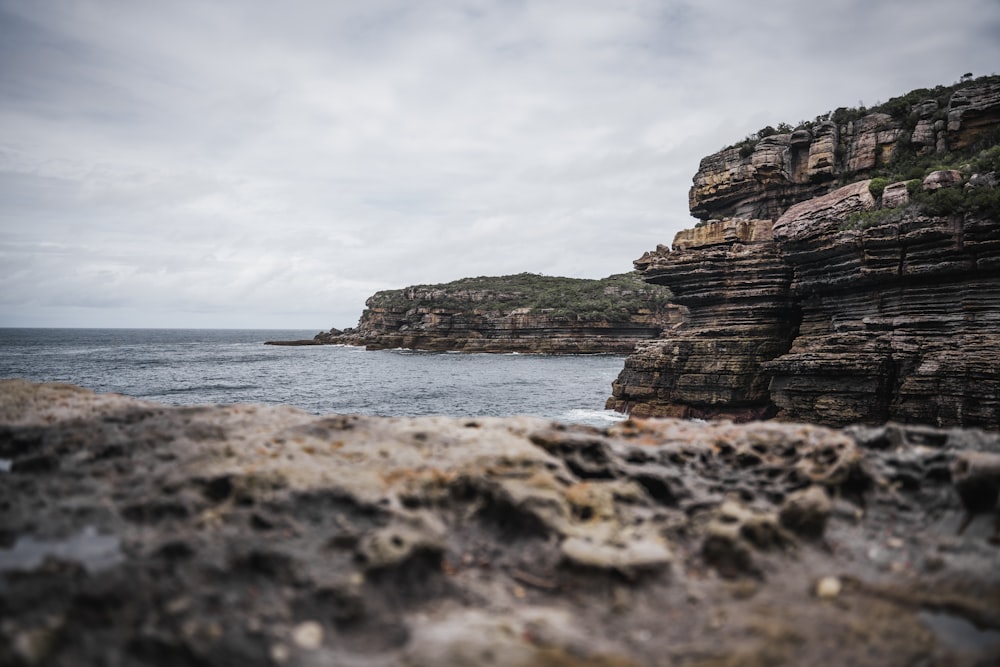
x=140, y=534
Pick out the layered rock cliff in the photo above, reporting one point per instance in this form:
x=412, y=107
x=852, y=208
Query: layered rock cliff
x=730, y=277
x=521, y=313
x=764, y=175
x=139, y=534
x=872, y=301
x=899, y=321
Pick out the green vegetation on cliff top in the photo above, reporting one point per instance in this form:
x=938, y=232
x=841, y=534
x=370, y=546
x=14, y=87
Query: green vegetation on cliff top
x=614, y=298
x=982, y=201
x=905, y=109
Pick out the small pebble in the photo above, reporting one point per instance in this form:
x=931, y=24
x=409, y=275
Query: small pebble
x=308, y=635
x=828, y=588
x=279, y=653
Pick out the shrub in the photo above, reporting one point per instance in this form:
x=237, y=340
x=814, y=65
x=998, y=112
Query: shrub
x=877, y=186
x=983, y=202
x=747, y=147
x=986, y=161
x=946, y=201
x=866, y=219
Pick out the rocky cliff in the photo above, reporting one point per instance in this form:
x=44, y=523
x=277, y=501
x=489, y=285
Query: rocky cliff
x=770, y=171
x=731, y=279
x=139, y=534
x=871, y=301
x=519, y=313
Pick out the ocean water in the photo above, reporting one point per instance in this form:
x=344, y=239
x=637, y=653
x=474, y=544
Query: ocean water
x=190, y=367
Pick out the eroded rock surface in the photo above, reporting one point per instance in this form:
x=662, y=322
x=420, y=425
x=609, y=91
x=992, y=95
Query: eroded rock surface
x=815, y=301
x=899, y=321
x=765, y=179
x=140, y=534
x=734, y=285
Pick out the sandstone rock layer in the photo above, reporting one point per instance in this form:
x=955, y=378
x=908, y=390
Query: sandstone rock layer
x=827, y=324
x=835, y=307
x=764, y=178
x=731, y=279
x=898, y=321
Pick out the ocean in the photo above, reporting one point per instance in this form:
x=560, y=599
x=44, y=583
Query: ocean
x=208, y=366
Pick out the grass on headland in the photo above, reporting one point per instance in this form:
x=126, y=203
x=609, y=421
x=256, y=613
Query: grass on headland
x=612, y=299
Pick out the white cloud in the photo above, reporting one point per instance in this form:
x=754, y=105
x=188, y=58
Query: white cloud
x=272, y=164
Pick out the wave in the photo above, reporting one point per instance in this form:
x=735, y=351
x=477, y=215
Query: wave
x=589, y=416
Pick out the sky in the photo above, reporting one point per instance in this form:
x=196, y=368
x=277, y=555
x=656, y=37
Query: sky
x=261, y=164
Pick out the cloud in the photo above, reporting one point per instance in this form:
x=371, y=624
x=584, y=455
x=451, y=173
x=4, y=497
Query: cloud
x=263, y=164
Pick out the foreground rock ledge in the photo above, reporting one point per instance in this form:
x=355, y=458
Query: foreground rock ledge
x=134, y=533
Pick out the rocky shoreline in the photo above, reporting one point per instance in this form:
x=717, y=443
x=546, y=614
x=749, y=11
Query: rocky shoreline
x=135, y=533
x=524, y=313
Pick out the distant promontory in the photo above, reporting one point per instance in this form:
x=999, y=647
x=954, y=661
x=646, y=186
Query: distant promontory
x=525, y=313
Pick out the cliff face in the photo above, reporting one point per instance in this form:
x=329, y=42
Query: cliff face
x=730, y=278
x=762, y=178
x=819, y=314
x=898, y=321
x=513, y=314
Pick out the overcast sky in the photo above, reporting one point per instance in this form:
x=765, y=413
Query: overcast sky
x=272, y=164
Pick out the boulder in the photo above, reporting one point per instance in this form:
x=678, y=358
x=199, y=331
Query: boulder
x=943, y=178
x=895, y=195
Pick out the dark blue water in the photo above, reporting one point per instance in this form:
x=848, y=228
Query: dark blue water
x=190, y=367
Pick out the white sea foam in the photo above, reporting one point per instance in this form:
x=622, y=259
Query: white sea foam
x=592, y=417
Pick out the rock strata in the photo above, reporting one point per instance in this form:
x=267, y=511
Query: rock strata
x=864, y=302
x=761, y=179
x=141, y=534
x=898, y=321
x=730, y=278
x=525, y=313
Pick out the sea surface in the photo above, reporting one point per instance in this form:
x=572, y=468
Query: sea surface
x=205, y=366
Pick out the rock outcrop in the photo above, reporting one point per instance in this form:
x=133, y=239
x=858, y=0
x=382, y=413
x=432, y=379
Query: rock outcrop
x=763, y=178
x=140, y=534
x=818, y=313
x=730, y=278
x=525, y=313
x=898, y=321
x=826, y=324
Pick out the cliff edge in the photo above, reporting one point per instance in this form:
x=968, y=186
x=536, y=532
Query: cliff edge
x=874, y=300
